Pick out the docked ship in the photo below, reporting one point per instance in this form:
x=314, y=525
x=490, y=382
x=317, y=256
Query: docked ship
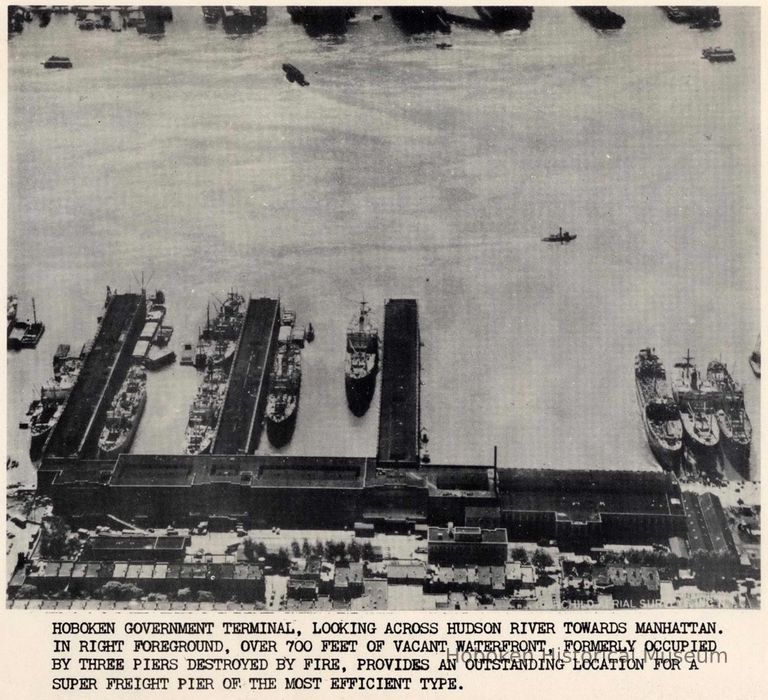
x=362, y=361
x=504, y=18
x=322, y=21
x=218, y=339
x=204, y=412
x=45, y=412
x=697, y=401
x=754, y=358
x=124, y=414
x=661, y=416
x=732, y=419
x=284, y=385
x=420, y=20
x=696, y=16
x=599, y=17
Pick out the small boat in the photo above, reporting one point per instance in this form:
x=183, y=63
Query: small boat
x=294, y=75
x=718, y=55
x=187, y=354
x=26, y=334
x=560, y=237
x=158, y=358
x=57, y=62
x=754, y=358
x=310, y=334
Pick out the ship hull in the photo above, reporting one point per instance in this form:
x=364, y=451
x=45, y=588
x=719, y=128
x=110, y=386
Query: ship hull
x=123, y=444
x=667, y=456
x=37, y=443
x=280, y=432
x=360, y=392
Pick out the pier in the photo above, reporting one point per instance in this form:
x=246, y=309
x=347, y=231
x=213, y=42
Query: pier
x=240, y=420
x=104, y=369
x=399, y=417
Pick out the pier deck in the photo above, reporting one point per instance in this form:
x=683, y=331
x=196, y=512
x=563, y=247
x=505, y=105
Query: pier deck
x=77, y=432
x=239, y=429
x=399, y=417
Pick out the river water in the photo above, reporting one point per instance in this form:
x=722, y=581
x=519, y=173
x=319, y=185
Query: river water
x=403, y=171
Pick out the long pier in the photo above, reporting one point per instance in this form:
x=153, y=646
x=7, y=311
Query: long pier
x=104, y=369
x=400, y=414
x=240, y=421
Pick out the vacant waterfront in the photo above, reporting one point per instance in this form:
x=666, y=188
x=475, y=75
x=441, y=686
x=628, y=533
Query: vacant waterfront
x=403, y=171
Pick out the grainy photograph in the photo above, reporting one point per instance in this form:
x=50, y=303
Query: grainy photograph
x=383, y=308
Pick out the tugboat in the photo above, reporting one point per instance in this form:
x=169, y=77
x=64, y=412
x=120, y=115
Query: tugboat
x=285, y=385
x=696, y=401
x=717, y=55
x=23, y=334
x=34, y=330
x=124, y=414
x=560, y=237
x=661, y=417
x=204, y=412
x=754, y=358
x=732, y=419
x=45, y=412
x=362, y=361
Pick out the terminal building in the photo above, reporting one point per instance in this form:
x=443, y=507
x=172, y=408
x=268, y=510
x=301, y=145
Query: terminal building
x=392, y=491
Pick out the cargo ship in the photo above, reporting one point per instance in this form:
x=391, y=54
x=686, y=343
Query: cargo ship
x=322, y=21
x=697, y=401
x=284, y=385
x=45, y=412
x=362, y=361
x=204, y=412
x=599, y=17
x=124, y=414
x=661, y=416
x=697, y=17
x=219, y=338
x=504, y=18
x=732, y=419
x=420, y=20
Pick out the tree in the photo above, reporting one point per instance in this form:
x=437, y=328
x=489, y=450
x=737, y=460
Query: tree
x=306, y=549
x=354, y=551
x=282, y=560
x=53, y=537
x=519, y=554
x=253, y=550
x=541, y=559
x=318, y=549
x=295, y=549
x=114, y=590
x=367, y=553
x=27, y=591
